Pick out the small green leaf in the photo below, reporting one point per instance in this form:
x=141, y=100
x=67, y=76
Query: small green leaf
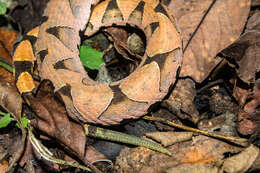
x=2, y=8
x=5, y=120
x=24, y=121
x=90, y=58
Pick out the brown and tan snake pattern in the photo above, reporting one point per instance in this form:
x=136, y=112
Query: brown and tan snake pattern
x=58, y=59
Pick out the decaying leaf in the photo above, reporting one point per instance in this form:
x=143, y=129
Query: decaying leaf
x=3, y=166
x=10, y=99
x=169, y=138
x=92, y=155
x=251, y=106
x=53, y=120
x=119, y=37
x=244, y=55
x=30, y=15
x=223, y=124
x=166, y=114
x=246, y=52
x=242, y=161
x=248, y=119
x=256, y=164
x=194, y=168
x=253, y=22
x=220, y=102
x=223, y=25
x=247, y=126
x=7, y=38
x=241, y=94
x=202, y=150
x=255, y=3
x=181, y=100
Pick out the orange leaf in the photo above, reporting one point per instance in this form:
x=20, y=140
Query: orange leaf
x=3, y=166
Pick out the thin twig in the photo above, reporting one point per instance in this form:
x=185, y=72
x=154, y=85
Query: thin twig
x=229, y=138
x=46, y=154
x=209, y=85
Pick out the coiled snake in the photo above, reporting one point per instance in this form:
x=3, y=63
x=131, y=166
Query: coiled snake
x=57, y=56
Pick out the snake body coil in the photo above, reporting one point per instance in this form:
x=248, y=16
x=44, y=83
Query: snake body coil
x=106, y=103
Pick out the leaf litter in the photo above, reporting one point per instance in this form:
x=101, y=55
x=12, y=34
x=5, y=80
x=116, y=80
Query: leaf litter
x=220, y=46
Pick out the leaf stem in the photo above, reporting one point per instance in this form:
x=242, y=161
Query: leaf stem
x=5, y=64
x=206, y=133
x=115, y=136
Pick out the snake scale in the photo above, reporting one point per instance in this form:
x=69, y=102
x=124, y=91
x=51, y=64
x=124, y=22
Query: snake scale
x=57, y=56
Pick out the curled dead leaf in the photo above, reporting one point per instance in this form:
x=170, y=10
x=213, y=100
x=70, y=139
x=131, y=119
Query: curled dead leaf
x=169, y=138
x=223, y=24
x=246, y=52
x=242, y=161
x=181, y=100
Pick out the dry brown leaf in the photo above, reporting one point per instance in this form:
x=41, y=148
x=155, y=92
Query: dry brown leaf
x=6, y=76
x=119, y=36
x=253, y=22
x=247, y=126
x=251, y=106
x=223, y=25
x=181, y=100
x=201, y=150
x=27, y=155
x=10, y=99
x=246, y=52
x=53, y=120
x=241, y=95
x=194, y=168
x=3, y=166
x=223, y=124
x=256, y=164
x=248, y=120
x=242, y=161
x=220, y=102
x=169, y=138
x=30, y=15
x=200, y=154
x=92, y=155
x=163, y=113
x=255, y=3
x=8, y=37
x=4, y=52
